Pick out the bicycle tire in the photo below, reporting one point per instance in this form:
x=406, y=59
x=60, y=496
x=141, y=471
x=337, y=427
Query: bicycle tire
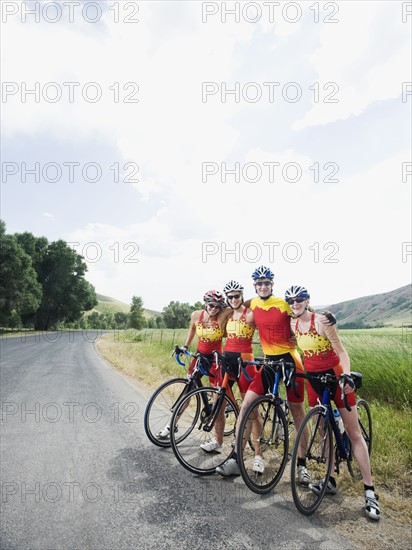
x=365, y=426
x=192, y=421
x=318, y=453
x=272, y=435
x=160, y=406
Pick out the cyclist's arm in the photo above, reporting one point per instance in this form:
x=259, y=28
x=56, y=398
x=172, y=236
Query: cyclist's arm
x=224, y=315
x=246, y=303
x=327, y=318
x=332, y=335
x=192, y=328
x=250, y=318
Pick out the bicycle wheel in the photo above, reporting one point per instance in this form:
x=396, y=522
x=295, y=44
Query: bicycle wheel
x=160, y=408
x=192, y=417
x=264, y=425
x=230, y=420
x=314, y=442
x=365, y=426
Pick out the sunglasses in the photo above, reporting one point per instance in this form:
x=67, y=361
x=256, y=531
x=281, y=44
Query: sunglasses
x=234, y=297
x=297, y=300
x=213, y=305
x=263, y=283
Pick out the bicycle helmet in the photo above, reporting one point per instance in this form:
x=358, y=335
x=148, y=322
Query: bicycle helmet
x=262, y=272
x=214, y=296
x=232, y=285
x=294, y=291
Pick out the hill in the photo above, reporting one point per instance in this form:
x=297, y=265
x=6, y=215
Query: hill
x=390, y=308
x=110, y=305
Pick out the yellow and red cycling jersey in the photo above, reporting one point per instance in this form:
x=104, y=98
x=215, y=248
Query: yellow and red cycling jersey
x=318, y=352
x=272, y=318
x=209, y=338
x=239, y=335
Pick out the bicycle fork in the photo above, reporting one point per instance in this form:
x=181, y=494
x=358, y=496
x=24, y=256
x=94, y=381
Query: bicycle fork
x=209, y=412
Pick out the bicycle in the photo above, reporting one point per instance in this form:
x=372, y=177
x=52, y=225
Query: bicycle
x=270, y=415
x=194, y=418
x=316, y=439
x=162, y=404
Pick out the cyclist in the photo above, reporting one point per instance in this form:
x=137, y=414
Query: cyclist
x=272, y=318
x=240, y=327
x=209, y=326
x=323, y=352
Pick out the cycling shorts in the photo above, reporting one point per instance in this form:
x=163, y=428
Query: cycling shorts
x=231, y=366
x=265, y=377
x=315, y=390
x=209, y=365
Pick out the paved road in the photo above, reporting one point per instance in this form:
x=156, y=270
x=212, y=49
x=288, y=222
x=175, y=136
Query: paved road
x=78, y=472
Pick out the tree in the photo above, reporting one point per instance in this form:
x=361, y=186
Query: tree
x=121, y=319
x=151, y=323
x=35, y=247
x=136, y=316
x=177, y=315
x=66, y=293
x=20, y=292
x=159, y=322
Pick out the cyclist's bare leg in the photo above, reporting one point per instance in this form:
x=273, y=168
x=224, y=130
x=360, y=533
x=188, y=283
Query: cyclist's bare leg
x=298, y=414
x=220, y=423
x=360, y=450
x=255, y=429
x=249, y=397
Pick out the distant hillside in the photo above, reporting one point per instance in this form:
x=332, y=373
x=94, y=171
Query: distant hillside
x=110, y=305
x=390, y=308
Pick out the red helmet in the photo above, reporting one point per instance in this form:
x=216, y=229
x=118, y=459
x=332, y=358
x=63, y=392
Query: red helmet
x=214, y=296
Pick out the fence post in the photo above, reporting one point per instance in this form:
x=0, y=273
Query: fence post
x=173, y=343
x=161, y=336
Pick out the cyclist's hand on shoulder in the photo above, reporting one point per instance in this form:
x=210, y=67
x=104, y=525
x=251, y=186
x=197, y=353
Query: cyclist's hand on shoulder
x=327, y=318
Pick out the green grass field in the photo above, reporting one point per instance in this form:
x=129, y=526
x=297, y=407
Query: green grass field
x=383, y=356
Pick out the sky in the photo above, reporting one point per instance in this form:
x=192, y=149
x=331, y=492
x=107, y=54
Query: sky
x=179, y=145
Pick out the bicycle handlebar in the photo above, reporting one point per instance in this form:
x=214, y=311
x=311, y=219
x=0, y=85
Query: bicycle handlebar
x=178, y=351
x=328, y=379
x=288, y=367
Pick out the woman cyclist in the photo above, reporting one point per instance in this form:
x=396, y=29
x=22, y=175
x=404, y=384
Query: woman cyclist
x=209, y=326
x=272, y=318
x=240, y=327
x=323, y=352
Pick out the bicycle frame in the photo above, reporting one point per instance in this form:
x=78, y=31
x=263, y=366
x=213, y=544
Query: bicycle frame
x=279, y=367
x=209, y=413
x=326, y=402
x=224, y=390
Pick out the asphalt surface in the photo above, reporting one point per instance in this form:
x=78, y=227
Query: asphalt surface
x=79, y=473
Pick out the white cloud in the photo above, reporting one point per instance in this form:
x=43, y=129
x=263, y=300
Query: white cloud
x=171, y=132
x=367, y=54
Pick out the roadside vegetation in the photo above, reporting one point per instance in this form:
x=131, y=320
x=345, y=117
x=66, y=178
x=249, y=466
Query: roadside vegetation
x=383, y=356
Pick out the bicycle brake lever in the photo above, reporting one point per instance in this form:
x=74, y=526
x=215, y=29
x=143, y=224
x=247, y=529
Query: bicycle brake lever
x=343, y=395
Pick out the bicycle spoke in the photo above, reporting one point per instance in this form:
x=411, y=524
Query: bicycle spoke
x=196, y=426
x=263, y=431
x=159, y=410
x=314, y=443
